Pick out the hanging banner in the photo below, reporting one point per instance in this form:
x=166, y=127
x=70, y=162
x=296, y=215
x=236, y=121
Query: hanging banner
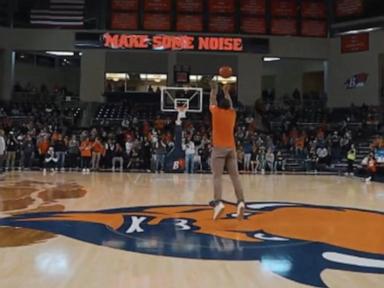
x=163, y=42
x=156, y=21
x=157, y=5
x=253, y=7
x=314, y=28
x=283, y=26
x=221, y=6
x=253, y=25
x=221, y=24
x=125, y=5
x=313, y=9
x=345, y=8
x=285, y=8
x=190, y=6
x=189, y=23
x=124, y=21
x=355, y=43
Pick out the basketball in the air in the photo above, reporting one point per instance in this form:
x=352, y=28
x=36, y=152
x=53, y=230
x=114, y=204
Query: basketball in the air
x=225, y=71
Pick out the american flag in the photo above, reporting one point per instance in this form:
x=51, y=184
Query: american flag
x=59, y=13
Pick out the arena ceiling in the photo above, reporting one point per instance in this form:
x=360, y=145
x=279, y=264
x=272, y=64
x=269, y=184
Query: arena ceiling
x=271, y=17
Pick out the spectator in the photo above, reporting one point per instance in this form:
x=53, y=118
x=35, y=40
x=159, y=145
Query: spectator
x=299, y=146
x=97, y=151
x=86, y=154
x=11, y=145
x=312, y=161
x=240, y=156
x=51, y=160
x=20, y=143
x=28, y=149
x=335, y=147
x=247, y=148
x=270, y=160
x=129, y=145
x=205, y=153
x=189, y=148
x=117, y=156
x=322, y=156
x=254, y=159
x=371, y=167
x=2, y=151
x=160, y=151
x=280, y=162
x=261, y=159
x=108, y=154
x=351, y=158
x=73, y=153
x=60, y=148
x=43, y=146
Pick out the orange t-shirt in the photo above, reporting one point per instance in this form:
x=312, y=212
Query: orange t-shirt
x=98, y=147
x=223, y=125
x=43, y=147
x=85, y=149
x=300, y=142
x=372, y=165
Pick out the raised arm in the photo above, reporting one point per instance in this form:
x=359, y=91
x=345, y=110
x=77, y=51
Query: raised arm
x=213, y=97
x=227, y=96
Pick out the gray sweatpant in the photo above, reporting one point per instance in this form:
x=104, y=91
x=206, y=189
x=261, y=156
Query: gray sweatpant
x=225, y=157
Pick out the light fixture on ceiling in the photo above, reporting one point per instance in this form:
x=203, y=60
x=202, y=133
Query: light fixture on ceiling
x=358, y=31
x=60, y=53
x=271, y=59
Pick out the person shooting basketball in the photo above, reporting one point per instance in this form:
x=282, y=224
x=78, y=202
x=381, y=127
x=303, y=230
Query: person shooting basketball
x=224, y=149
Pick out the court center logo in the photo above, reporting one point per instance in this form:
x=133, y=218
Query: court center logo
x=296, y=241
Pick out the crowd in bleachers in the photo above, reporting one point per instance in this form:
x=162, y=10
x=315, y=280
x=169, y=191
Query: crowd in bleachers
x=142, y=141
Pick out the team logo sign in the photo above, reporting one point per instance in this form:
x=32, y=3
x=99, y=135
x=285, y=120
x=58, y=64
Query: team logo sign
x=296, y=241
x=356, y=81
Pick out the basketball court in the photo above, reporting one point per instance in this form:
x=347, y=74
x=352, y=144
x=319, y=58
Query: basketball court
x=167, y=237
x=123, y=121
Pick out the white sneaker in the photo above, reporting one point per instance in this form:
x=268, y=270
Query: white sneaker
x=219, y=208
x=240, y=210
x=368, y=179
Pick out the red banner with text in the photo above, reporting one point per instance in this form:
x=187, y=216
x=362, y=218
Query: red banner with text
x=253, y=25
x=313, y=9
x=252, y=7
x=153, y=21
x=285, y=8
x=157, y=5
x=222, y=24
x=125, y=5
x=124, y=21
x=281, y=26
x=344, y=8
x=314, y=28
x=189, y=23
x=221, y=6
x=355, y=43
x=190, y=6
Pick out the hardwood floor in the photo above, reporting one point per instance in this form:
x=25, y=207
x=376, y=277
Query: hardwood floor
x=146, y=230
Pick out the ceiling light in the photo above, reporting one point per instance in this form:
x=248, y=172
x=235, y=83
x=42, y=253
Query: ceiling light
x=358, y=31
x=271, y=59
x=60, y=53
